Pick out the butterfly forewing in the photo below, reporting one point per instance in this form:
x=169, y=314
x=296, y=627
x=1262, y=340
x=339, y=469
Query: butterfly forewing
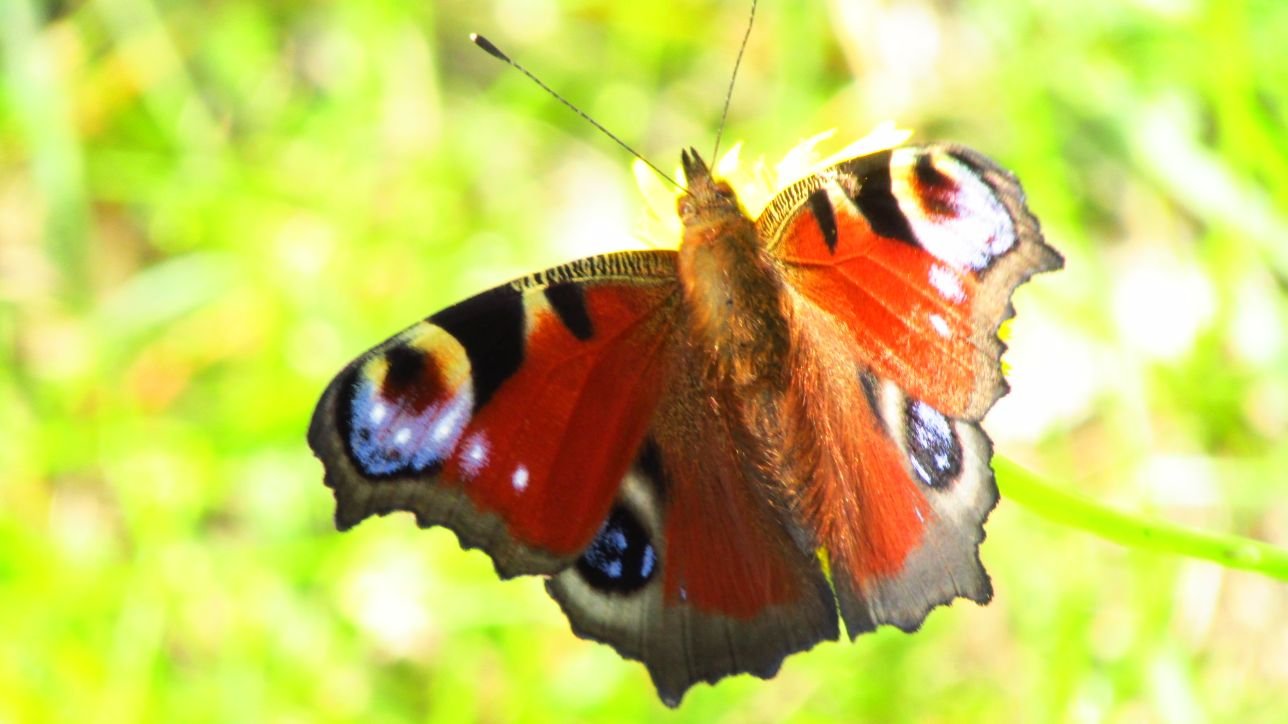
x=915, y=252
x=510, y=417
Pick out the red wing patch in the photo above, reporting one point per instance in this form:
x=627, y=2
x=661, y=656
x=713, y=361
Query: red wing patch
x=882, y=291
x=729, y=549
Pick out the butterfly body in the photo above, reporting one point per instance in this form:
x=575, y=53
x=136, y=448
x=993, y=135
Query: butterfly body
x=676, y=438
x=734, y=309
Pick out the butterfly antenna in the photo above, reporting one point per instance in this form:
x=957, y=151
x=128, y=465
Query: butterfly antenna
x=495, y=52
x=751, y=19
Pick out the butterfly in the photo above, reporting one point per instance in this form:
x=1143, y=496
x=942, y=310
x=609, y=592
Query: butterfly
x=709, y=453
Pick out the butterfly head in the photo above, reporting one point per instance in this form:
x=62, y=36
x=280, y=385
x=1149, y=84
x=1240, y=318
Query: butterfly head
x=707, y=201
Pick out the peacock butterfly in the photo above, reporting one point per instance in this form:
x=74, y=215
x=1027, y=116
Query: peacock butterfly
x=678, y=440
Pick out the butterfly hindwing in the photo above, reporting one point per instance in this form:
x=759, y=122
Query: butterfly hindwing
x=731, y=585
x=510, y=417
x=946, y=462
x=896, y=492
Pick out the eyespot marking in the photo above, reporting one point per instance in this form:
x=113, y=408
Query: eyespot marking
x=951, y=209
x=934, y=452
x=621, y=559
x=386, y=439
x=935, y=190
x=411, y=378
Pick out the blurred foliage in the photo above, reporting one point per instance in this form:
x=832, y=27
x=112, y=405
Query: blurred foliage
x=206, y=208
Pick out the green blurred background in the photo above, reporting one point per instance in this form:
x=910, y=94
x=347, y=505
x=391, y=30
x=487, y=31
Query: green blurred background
x=206, y=208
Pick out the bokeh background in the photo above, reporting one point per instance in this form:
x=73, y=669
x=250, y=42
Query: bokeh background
x=207, y=207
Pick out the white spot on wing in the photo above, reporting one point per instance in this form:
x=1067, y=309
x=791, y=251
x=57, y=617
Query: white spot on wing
x=940, y=325
x=947, y=282
x=378, y=413
x=475, y=456
x=977, y=229
x=449, y=425
x=403, y=436
x=520, y=478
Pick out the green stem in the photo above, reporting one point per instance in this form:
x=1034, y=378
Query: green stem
x=1024, y=487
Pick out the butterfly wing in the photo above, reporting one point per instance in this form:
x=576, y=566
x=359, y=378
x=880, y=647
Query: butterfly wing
x=896, y=493
x=915, y=251
x=561, y=424
x=699, y=572
x=901, y=266
x=509, y=418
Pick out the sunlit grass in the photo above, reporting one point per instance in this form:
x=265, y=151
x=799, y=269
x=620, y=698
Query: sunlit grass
x=206, y=209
